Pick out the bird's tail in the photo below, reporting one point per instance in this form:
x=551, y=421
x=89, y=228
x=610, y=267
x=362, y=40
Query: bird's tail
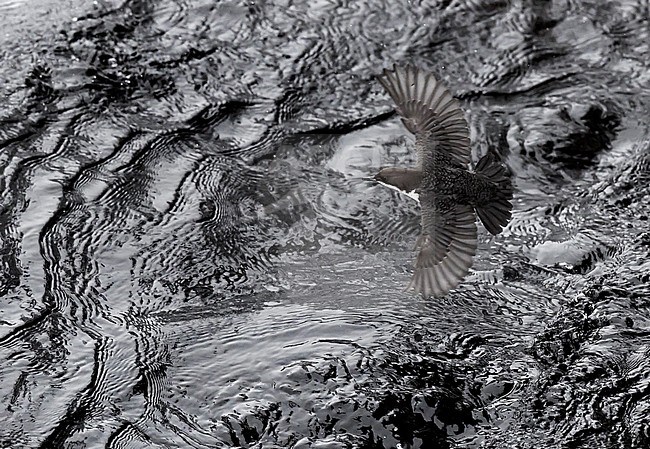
x=496, y=213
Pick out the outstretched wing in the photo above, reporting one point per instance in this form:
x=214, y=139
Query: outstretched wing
x=429, y=111
x=447, y=246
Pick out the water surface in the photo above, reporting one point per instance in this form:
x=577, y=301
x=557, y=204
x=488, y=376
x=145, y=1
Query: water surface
x=191, y=256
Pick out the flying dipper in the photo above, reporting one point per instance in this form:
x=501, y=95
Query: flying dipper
x=450, y=195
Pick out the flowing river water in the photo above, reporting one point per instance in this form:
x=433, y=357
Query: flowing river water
x=191, y=255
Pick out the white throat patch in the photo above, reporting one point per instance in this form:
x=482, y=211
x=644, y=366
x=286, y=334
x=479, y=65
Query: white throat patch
x=411, y=194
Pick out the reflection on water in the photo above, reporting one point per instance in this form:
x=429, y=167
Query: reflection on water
x=192, y=257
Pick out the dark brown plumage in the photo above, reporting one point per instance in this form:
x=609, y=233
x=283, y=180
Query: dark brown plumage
x=450, y=195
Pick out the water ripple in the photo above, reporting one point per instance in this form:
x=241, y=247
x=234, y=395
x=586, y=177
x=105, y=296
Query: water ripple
x=192, y=251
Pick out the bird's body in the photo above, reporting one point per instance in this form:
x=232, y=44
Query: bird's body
x=450, y=195
x=456, y=183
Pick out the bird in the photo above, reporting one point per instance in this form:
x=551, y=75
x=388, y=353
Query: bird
x=450, y=195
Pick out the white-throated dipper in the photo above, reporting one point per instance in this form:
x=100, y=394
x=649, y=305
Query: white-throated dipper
x=450, y=195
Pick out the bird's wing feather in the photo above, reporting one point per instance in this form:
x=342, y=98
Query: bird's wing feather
x=446, y=246
x=429, y=111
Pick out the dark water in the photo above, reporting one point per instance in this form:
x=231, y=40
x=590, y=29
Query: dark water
x=191, y=257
